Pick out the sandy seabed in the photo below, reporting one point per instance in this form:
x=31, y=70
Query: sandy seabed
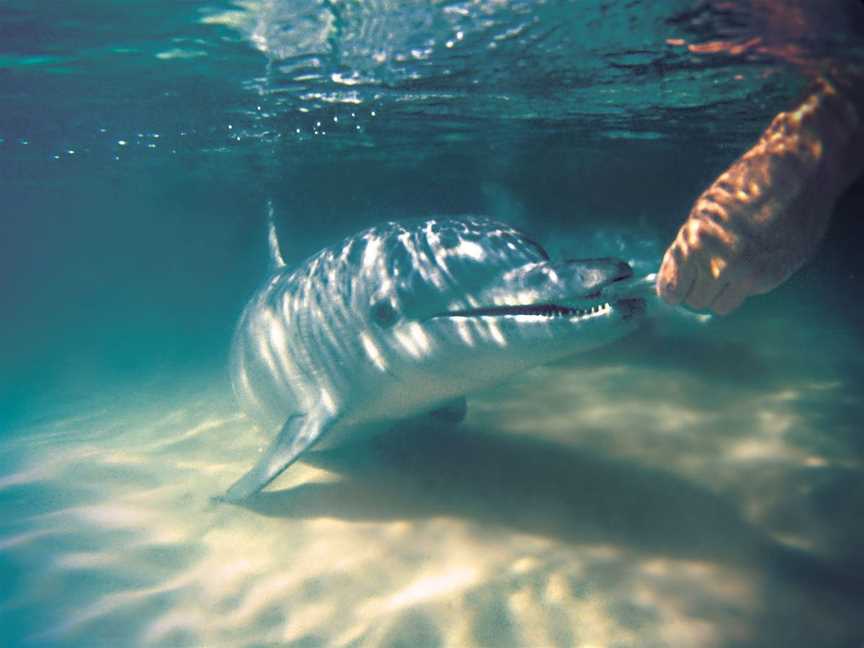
x=659, y=493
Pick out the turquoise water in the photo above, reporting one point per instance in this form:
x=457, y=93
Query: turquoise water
x=696, y=484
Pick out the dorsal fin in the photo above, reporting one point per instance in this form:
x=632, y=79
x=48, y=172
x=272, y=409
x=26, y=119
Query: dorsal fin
x=276, y=260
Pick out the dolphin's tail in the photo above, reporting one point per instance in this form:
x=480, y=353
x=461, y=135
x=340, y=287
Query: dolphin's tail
x=276, y=260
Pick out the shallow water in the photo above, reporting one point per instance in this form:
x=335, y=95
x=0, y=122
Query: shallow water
x=695, y=484
x=613, y=500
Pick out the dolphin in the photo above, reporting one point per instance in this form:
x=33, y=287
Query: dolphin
x=407, y=318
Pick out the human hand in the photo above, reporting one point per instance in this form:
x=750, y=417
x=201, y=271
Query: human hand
x=763, y=218
x=736, y=244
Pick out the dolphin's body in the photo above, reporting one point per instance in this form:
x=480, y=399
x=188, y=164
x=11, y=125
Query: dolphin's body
x=403, y=319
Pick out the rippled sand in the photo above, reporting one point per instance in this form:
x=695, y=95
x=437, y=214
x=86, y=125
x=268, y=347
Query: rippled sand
x=615, y=500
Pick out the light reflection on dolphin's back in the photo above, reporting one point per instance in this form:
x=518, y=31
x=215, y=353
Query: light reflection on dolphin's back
x=306, y=326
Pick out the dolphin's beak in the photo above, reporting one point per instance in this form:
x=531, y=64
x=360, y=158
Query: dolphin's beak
x=573, y=288
x=590, y=276
x=615, y=269
x=630, y=294
x=631, y=287
x=610, y=280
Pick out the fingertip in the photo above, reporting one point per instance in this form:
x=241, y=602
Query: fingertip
x=667, y=290
x=682, y=286
x=668, y=284
x=704, y=292
x=729, y=300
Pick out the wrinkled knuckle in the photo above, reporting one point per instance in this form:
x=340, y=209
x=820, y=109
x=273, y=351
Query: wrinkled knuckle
x=711, y=212
x=677, y=253
x=694, y=233
x=669, y=266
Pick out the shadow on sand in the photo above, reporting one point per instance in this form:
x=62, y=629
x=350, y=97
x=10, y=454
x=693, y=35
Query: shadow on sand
x=540, y=488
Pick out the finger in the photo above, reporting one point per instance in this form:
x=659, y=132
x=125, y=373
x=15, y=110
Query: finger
x=704, y=292
x=709, y=236
x=730, y=298
x=676, y=276
x=711, y=247
x=708, y=248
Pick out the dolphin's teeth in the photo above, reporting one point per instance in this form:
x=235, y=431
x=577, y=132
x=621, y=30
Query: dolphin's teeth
x=537, y=310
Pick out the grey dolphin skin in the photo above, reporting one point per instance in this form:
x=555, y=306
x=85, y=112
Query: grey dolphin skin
x=407, y=318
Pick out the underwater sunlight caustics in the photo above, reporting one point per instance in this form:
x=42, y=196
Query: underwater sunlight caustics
x=405, y=319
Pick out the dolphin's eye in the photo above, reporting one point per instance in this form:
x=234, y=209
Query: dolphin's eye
x=383, y=314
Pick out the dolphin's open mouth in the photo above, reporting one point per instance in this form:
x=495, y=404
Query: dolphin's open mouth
x=622, y=295
x=627, y=307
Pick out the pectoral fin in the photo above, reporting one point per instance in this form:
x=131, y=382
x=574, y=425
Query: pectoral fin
x=297, y=434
